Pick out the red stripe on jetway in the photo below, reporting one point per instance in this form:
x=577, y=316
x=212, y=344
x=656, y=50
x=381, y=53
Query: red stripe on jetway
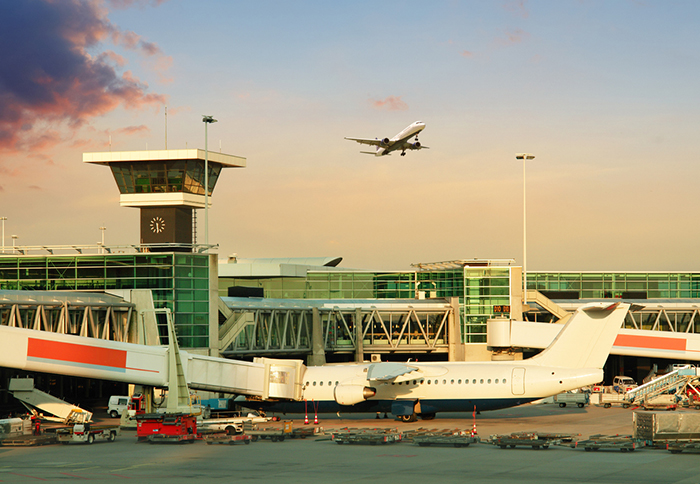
x=651, y=342
x=90, y=355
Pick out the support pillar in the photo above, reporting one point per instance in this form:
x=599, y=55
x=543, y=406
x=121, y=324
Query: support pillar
x=359, y=343
x=318, y=353
x=455, y=347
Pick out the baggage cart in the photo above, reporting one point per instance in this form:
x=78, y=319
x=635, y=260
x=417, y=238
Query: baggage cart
x=226, y=438
x=366, y=436
x=535, y=440
x=623, y=443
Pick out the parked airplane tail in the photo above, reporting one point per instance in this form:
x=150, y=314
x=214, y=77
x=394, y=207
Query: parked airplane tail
x=586, y=339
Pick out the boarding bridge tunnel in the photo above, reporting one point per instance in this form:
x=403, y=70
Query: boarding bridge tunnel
x=85, y=314
x=252, y=326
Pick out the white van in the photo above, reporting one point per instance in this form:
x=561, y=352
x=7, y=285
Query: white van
x=117, y=405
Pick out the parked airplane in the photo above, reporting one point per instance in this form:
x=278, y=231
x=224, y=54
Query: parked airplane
x=408, y=390
x=399, y=142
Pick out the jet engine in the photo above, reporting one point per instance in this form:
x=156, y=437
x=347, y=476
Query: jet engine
x=385, y=142
x=352, y=394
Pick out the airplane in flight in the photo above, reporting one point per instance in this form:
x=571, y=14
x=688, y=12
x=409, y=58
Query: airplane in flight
x=399, y=142
x=411, y=390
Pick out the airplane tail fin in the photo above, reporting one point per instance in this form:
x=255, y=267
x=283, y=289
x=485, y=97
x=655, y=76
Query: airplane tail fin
x=586, y=339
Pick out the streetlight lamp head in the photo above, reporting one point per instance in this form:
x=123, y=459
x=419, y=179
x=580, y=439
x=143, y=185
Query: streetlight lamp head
x=524, y=156
x=209, y=119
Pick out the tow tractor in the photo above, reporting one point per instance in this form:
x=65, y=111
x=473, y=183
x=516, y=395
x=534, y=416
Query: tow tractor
x=86, y=432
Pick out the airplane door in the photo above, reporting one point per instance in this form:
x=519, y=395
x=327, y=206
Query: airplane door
x=518, y=381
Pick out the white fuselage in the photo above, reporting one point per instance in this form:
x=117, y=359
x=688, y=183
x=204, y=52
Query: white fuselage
x=443, y=387
x=397, y=142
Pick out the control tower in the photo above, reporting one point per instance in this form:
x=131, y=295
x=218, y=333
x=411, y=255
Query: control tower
x=167, y=185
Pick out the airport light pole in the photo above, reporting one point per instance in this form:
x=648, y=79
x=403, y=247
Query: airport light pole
x=524, y=157
x=207, y=121
x=103, y=228
x=3, y=233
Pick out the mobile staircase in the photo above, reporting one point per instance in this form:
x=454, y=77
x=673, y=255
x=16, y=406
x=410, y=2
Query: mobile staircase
x=681, y=383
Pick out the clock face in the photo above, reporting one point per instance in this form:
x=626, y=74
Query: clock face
x=157, y=225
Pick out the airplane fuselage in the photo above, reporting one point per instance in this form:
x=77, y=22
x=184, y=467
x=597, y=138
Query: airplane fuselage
x=399, y=142
x=436, y=387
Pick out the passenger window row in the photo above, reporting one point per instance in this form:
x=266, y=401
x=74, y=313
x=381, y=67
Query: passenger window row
x=434, y=382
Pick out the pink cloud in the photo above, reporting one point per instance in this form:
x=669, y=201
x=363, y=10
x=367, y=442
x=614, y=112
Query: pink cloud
x=517, y=7
x=52, y=82
x=514, y=36
x=391, y=103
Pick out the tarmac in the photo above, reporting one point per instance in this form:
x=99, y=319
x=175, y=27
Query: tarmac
x=320, y=460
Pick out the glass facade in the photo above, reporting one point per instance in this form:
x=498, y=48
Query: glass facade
x=177, y=281
x=628, y=285
x=164, y=176
x=483, y=292
x=478, y=290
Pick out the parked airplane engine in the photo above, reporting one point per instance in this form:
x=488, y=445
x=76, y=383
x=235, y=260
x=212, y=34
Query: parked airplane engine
x=385, y=142
x=352, y=394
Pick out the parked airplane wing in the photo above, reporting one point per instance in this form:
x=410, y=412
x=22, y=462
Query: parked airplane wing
x=388, y=371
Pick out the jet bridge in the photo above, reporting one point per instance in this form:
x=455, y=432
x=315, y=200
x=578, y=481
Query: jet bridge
x=65, y=354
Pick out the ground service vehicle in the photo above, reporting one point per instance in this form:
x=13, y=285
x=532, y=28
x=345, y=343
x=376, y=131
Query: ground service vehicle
x=117, y=405
x=623, y=384
x=88, y=433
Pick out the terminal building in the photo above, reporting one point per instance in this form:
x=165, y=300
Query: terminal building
x=242, y=308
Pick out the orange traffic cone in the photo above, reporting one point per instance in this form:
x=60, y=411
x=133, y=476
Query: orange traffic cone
x=315, y=412
x=306, y=413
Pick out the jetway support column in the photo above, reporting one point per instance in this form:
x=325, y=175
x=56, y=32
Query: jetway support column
x=318, y=353
x=359, y=343
x=454, y=333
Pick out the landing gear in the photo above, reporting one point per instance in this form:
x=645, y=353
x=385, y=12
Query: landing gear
x=427, y=416
x=403, y=153
x=409, y=418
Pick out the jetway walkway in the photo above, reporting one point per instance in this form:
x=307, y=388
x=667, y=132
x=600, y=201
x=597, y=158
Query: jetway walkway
x=33, y=350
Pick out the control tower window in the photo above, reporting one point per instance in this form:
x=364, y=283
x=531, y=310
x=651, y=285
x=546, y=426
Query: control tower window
x=160, y=177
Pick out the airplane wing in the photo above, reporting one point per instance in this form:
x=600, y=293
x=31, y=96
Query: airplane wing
x=388, y=371
x=366, y=141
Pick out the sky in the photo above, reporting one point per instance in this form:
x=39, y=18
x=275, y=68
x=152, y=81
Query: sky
x=603, y=93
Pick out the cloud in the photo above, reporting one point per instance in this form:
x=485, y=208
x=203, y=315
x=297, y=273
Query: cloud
x=48, y=78
x=140, y=130
x=517, y=7
x=391, y=103
x=513, y=36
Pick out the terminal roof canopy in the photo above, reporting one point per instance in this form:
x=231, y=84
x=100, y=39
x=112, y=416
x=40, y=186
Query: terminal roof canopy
x=164, y=171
